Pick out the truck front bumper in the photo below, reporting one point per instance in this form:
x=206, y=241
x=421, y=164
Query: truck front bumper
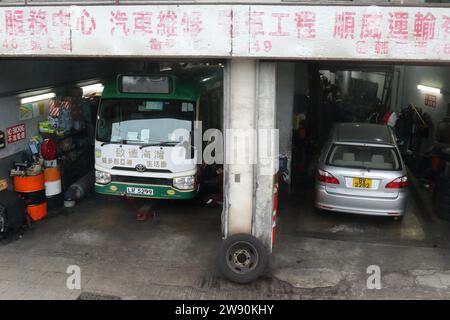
x=157, y=191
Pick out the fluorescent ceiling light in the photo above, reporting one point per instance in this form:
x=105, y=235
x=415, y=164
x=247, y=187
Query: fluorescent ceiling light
x=39, y=97
x=92, y=88
x=206, y=79
x=429, y=89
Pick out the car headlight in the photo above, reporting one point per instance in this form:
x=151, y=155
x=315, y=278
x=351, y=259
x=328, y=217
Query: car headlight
x=102, y=177
x=184, y=183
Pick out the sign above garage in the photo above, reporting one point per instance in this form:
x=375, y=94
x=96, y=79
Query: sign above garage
x=267, y=31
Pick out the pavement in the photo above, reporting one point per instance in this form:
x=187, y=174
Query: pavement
x=173, y=255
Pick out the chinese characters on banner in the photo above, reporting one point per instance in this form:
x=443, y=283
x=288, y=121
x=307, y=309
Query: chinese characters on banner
x=121, y=157
x=334, y=32
x=344, y=32
x=114, y=30
x=15, y=133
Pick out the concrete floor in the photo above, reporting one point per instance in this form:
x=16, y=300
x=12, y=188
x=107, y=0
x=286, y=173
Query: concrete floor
x=173, y=255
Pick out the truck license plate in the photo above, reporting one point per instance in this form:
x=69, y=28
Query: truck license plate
x=140, y=191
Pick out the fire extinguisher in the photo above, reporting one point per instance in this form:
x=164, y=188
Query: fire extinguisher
x=48, y=149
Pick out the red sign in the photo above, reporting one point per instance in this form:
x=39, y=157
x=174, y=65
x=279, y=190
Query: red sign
x=430, y=100
x=15, y=133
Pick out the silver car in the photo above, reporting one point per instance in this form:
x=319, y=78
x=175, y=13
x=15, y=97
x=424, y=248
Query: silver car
x=361, y=171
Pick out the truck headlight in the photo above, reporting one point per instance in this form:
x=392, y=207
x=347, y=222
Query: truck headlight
x=184, y=183
x=102, y=177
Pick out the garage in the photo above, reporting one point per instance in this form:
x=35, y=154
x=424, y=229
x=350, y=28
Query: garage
x=271, y=88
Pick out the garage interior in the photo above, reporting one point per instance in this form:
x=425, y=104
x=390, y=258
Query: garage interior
x=173, y=253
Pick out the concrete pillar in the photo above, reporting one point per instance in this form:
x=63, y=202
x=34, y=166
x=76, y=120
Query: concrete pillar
x=249, y=107
x=239, y=118
x=285, y=107
x=267, y=155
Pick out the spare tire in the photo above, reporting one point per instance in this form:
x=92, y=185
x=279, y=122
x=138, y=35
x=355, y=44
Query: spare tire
x=243, y=258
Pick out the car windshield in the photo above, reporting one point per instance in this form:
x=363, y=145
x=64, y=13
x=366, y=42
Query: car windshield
x=364, y=157
x=143, y=121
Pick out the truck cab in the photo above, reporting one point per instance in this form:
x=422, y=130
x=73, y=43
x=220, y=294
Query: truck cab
x=143, y=145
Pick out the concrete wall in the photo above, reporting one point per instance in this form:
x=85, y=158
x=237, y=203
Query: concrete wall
x=239, y=151
x=438, y=77
x=267, y=153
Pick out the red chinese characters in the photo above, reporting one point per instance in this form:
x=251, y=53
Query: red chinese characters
x=256, y=24
x=155, y=44
x=143, y=22
x=381, y=47
x=280, y=20
x=306, y=25
x=447, y=48
x=344, y=25
x=36, y=45
x=362, y=47
x=61, y=21
x=119, y=20
x=14, y=22
x=446, y=26
x=37, y=20
x=257, y=46
x=167, y=23
x=86, y=23
x=371, y=26
x=398, y=25
x=424, y=27
x=192, y=23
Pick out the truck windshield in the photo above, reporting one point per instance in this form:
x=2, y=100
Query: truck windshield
x=141, y=121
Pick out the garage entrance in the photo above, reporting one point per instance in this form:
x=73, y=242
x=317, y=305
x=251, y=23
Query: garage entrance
x=413, y=100
x=294, y=68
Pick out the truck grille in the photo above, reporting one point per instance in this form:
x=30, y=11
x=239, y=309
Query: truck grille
x=141, y=180
x=146, y=170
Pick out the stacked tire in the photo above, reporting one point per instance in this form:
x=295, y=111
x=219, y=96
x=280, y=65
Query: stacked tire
x=443, y=198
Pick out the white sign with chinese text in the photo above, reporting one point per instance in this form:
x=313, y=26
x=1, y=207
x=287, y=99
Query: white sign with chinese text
x=266, y=31
x=342, y=32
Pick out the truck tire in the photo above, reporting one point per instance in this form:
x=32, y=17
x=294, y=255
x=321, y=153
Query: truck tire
x=243, y=258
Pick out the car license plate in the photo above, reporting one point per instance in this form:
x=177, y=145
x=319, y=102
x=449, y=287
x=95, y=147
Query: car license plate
x=362, y=183
x=140, y=191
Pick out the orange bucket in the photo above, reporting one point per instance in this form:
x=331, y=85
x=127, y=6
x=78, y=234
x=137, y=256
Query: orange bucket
x=52, y=174
x=29, y=183
x=38, y=211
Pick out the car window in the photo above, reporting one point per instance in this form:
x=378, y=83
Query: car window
x=364, y=157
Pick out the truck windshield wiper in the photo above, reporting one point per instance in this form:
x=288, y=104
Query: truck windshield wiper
x=163, y=143
x=116, y=142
